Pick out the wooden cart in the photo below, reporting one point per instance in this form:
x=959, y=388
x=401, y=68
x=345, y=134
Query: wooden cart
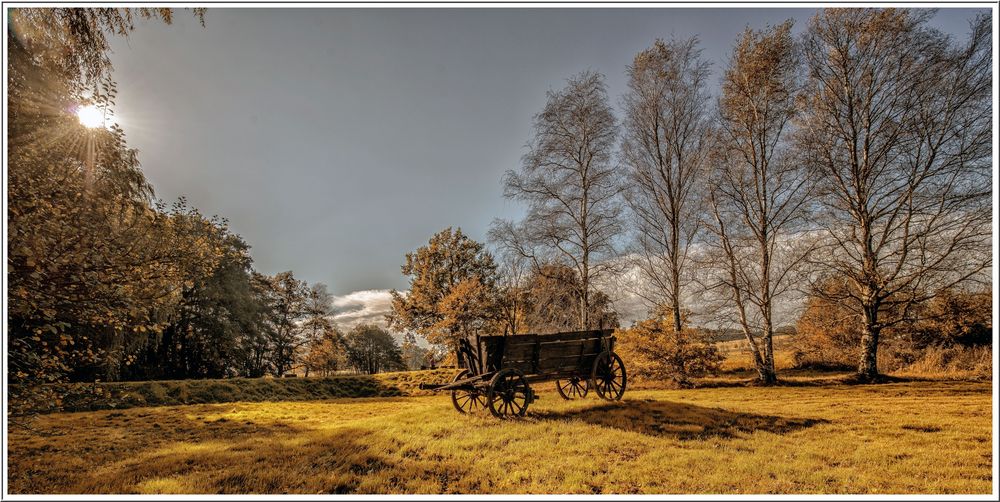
x=497, y=370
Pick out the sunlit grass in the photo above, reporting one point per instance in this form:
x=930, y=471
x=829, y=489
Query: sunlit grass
x=914, y=437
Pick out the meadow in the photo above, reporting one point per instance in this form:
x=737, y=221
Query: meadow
x=811, y=435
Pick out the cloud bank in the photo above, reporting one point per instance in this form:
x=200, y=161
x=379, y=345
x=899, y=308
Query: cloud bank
x=362, y=307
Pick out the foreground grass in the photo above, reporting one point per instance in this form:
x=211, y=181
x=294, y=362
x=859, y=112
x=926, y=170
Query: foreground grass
x=914, y=437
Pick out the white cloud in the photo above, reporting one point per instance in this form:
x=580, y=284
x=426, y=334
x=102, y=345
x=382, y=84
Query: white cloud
x=362, y=307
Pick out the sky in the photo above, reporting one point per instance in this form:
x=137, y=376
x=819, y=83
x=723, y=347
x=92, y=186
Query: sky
x=337, y=140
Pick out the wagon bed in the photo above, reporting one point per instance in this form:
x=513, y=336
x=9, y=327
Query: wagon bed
x=497, y=370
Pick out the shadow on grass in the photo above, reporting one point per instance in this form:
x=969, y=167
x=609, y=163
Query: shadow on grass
x=815, y=376
x=225, y=457
x=679, y=420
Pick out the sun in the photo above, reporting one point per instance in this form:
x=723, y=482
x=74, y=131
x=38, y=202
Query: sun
x=91, y=116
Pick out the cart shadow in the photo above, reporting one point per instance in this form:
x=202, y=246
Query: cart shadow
x=678, y=420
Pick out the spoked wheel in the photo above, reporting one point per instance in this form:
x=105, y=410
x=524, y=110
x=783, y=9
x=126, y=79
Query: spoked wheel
x=609, y=376
x=509, y=394
x=574, y=388
x=467, y=401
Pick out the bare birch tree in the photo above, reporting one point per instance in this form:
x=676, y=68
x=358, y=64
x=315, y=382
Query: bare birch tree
x=664, y=146
x=897, y=128
x=512, y=291
x=757, y=191
x=571, y=187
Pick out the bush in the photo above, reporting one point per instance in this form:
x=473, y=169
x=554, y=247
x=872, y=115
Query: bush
x=951, y=334
x=952, y=362
x=654, y=351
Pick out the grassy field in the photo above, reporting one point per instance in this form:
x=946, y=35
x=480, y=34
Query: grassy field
x=815, y=437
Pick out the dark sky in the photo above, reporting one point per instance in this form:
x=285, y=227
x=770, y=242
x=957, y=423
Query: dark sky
x=336, y=140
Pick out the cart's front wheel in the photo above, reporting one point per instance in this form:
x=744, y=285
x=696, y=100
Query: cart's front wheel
x=509, y=394
x=608, y=376
x=467, y=401
x=573, y=388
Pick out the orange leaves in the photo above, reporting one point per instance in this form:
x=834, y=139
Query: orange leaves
x=443, y=275
x=654, y=350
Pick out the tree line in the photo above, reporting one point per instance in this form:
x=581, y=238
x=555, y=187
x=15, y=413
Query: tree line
x=857, y=152
x=105, y=282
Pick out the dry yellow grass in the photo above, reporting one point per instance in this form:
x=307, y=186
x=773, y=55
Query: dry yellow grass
x=737, y=359
x=914, y=437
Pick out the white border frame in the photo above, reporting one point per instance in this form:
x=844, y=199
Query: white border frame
x=417, y=4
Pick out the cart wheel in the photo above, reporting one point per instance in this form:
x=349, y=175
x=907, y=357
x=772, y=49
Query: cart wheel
x=573, y=388
x=509, y=394
x=466, y=401
x=608, y=377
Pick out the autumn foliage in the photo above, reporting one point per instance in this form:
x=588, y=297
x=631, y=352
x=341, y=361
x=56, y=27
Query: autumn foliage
x=451, y=292
x=935, y=335
x=655, y=351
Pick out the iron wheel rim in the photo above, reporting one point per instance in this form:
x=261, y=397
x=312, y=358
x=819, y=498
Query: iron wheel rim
x=573, y=387
x=508, y=395
x=609, y=377
x=466, y=401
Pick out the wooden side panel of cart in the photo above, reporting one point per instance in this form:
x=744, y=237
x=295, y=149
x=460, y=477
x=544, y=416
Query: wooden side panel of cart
x=546, y=357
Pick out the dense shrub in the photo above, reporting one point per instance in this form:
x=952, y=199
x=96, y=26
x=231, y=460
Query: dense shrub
x=953, y=362
x=951, y=333
x=654, y=351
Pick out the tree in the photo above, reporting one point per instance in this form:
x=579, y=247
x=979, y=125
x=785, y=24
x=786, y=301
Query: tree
x=320, y=334
x=202, y=335
x=897, y=129
x=416, y=357
x=469, y=307
x=665, y=147
x=87, y=275
x=256, y=340
x=955, y=317
x=571, y=187
x=552, y=302
x=655, y=351
x=829, y=331
x=512, y=294
x=326, y=353
x=451, y=289
x=371, y=350
x=758, y=193
x=75, y=40
x=287, y=300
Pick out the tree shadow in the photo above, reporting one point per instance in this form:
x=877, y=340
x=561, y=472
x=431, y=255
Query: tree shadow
x=232, y=459
x=679, y=420
x=216, y=450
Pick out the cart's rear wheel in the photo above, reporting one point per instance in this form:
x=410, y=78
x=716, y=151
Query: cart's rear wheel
x=509, y=394
x=608, y=376
x=573, y=388
x=467, y=401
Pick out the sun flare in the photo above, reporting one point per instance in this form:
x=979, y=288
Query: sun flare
x=91, y=116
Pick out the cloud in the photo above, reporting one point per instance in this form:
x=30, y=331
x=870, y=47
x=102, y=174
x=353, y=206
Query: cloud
x=633, y=294
x=362, y=307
